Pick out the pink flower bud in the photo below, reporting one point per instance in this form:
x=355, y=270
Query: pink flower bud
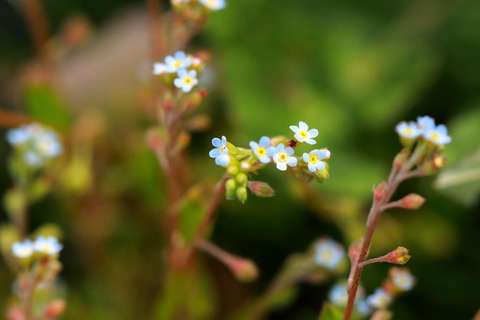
x=54, y=309
x=15, y=313
x=412, y=201
x=261, y=189
x=398, y=256
x=379, y=191
x=354, y=250
x=244, y=270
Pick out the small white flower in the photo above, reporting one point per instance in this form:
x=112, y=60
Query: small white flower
x=282, y=156
x=380, y=299
x=408, y=130
x=314, y=159
x=438, y=135
x=328, y=253
x=49, y=246
x=177, y=62
x=302, y=133
x=260, y=149
x=159, y=68
x=338, y=295
x=214, y=4
x=186, y=80
x=403, y=280
x=425, y=123
x=23, y=249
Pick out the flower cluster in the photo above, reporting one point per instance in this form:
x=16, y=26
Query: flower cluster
x=204, y=5
x=338, y=296
x=278, y=150
x=35, y=143
x=424, y=129
x=180, y=70
x=398, y=281
x=42, y=246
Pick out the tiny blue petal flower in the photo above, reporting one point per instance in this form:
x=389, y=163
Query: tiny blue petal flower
x=282, y=156
x=302, y=133
x=186, y=80
x=260, y=149
x=403, y=280
x=19, y=135
x=380, y=299
x=425, y=123
x=214, y=4
x=23, y=249
x=408, y=130
x=47, y=144
x=177, y=62
x=313, y=159
x=328, y=253
x=220, y=153
x=438, y=135
x=49, y=246
x=363, y=308
x=338, y=295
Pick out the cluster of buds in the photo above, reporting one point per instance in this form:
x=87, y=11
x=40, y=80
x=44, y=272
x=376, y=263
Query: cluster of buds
x=35, y=144
x=198, y=9
x=422, y=140
x=180, y=71
x=279, y=150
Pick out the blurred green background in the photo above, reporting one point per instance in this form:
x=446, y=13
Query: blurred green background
x=351, y=69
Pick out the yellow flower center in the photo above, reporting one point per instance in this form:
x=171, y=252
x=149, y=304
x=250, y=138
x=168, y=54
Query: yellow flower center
x=187, y=81
x=313, y=158
x=407, y=131
x=282, y=157
x=178, y=64
x=434, y=136
x=42, y=146
x=303, y=134
x=327, y=255
x=261, y=151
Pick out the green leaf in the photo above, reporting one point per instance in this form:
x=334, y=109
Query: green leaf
x=192, y=211
x=44, y=105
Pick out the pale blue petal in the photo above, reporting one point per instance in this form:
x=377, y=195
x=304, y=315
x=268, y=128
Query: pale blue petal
x=182, y=73
x=180, y=55
x=271, y=151
x=253, y=145
x=312, y=133
x=442, y=129
x=169, y=60
x=264, y=159
x=311, y=167
x=303, y=126
x=281, y=166
x=320, y=165
x=264, y=141
x=294, y=128
x=292, y=161
x=280, y=147
x=214, y=153
x=224, y=141
x=222, y=160
x=306, y=157
x=321, y=154
x=289, y=151
x=310, y=141
x=217, y=142
x=192, y=73
x=178, y=83
x=298, y=137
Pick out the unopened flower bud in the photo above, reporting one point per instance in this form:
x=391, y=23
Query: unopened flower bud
x=379, y=191
x=398, y=256
x=232, y=170
x=261, y=189
x=230, y=186
x=241, y=194
x=244, y=270
x=400, y=159
x=245, y=165
x=154, y=139
x=412, y=201
x=54, y=309
x=241, y=178
x=354, y=250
